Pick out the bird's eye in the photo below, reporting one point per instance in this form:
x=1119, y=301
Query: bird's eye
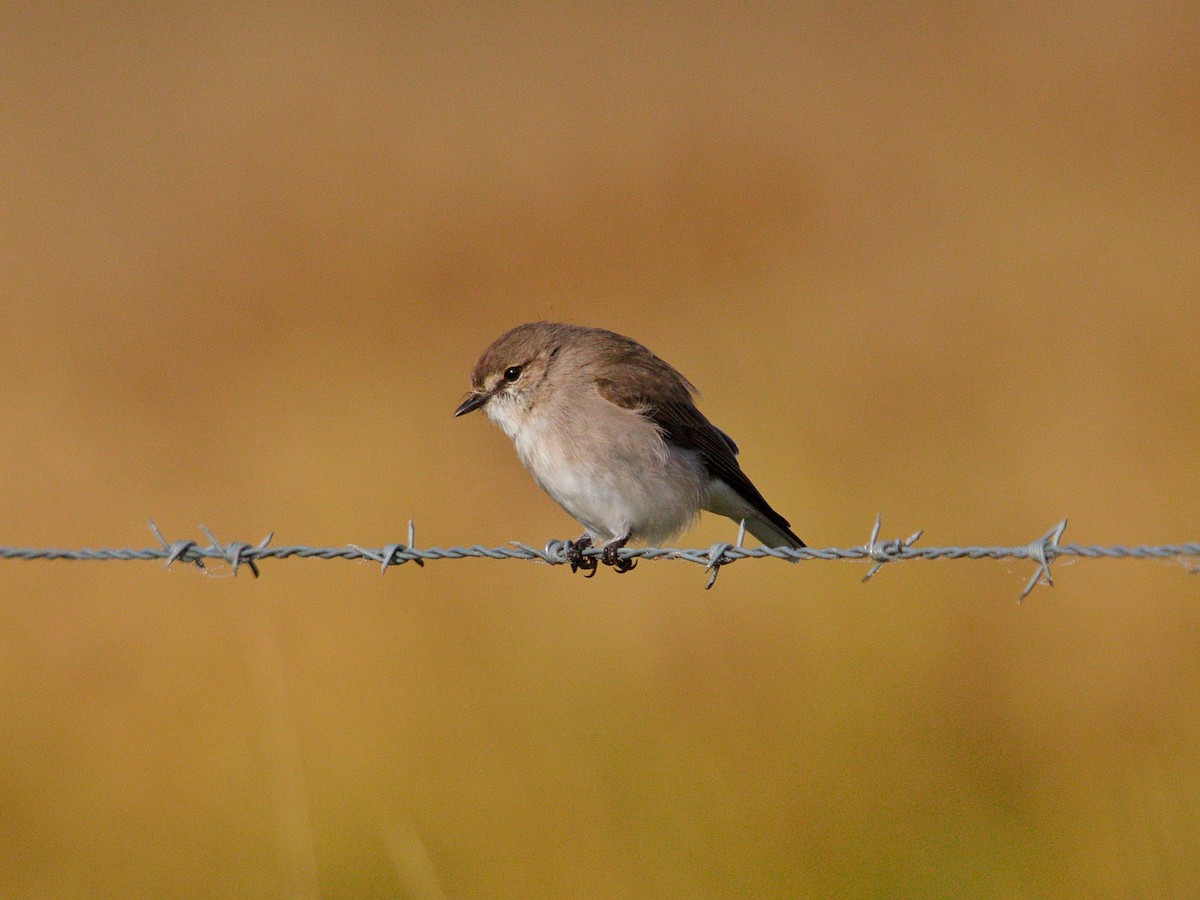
x=512, y=373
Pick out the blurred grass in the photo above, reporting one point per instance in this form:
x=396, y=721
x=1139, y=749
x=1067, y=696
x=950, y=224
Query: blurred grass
x=937, y=262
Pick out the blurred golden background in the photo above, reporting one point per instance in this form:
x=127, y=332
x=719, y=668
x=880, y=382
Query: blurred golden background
x=939, y=262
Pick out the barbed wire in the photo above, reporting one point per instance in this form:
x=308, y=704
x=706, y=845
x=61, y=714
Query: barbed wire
x=1043, y=551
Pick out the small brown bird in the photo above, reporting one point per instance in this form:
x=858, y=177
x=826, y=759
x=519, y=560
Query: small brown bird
x=610, y=432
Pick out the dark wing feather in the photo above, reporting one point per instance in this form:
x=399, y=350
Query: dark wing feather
x=681, y=423
x=685, y=426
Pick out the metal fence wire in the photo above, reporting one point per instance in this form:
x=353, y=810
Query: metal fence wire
x=1043, y=552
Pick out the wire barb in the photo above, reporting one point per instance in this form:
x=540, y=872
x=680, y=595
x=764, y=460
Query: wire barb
x=886, y=551
x=237, y=552
x=392, y=554
x=1043, y=551
x=176, y=549
x=717, y=555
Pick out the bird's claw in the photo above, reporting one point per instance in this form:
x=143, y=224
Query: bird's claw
x=576, y=558
x=610, y=558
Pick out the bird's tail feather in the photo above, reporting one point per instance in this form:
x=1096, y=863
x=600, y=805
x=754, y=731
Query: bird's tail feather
x=765, y=524
x=771, y=534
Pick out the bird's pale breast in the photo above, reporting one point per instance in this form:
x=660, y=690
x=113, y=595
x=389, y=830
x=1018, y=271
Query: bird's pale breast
x=610, y=469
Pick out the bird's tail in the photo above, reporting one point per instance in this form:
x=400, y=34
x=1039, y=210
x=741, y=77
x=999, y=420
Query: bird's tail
x=761, y=521
x=771, y=534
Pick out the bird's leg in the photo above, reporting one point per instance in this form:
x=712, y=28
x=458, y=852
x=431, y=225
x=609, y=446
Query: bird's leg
x=576, y=558
x=610, y=558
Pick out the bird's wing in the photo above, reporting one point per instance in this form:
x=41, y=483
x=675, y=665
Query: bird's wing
x=683, y=425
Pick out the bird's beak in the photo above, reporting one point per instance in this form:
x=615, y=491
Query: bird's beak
x=471, y=403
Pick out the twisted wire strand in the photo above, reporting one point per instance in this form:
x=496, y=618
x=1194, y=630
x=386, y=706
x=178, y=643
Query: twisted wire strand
x=1043, y=551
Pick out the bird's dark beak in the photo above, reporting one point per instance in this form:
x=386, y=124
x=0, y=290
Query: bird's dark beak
x=470, y=404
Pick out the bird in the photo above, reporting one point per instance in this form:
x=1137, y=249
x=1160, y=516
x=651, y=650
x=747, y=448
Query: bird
x=612, y=433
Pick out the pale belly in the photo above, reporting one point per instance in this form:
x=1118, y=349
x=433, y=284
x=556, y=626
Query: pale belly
x=630, y=484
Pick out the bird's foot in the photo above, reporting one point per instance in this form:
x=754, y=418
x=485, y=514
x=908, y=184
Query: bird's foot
x=610, y=558
x=576, y=558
